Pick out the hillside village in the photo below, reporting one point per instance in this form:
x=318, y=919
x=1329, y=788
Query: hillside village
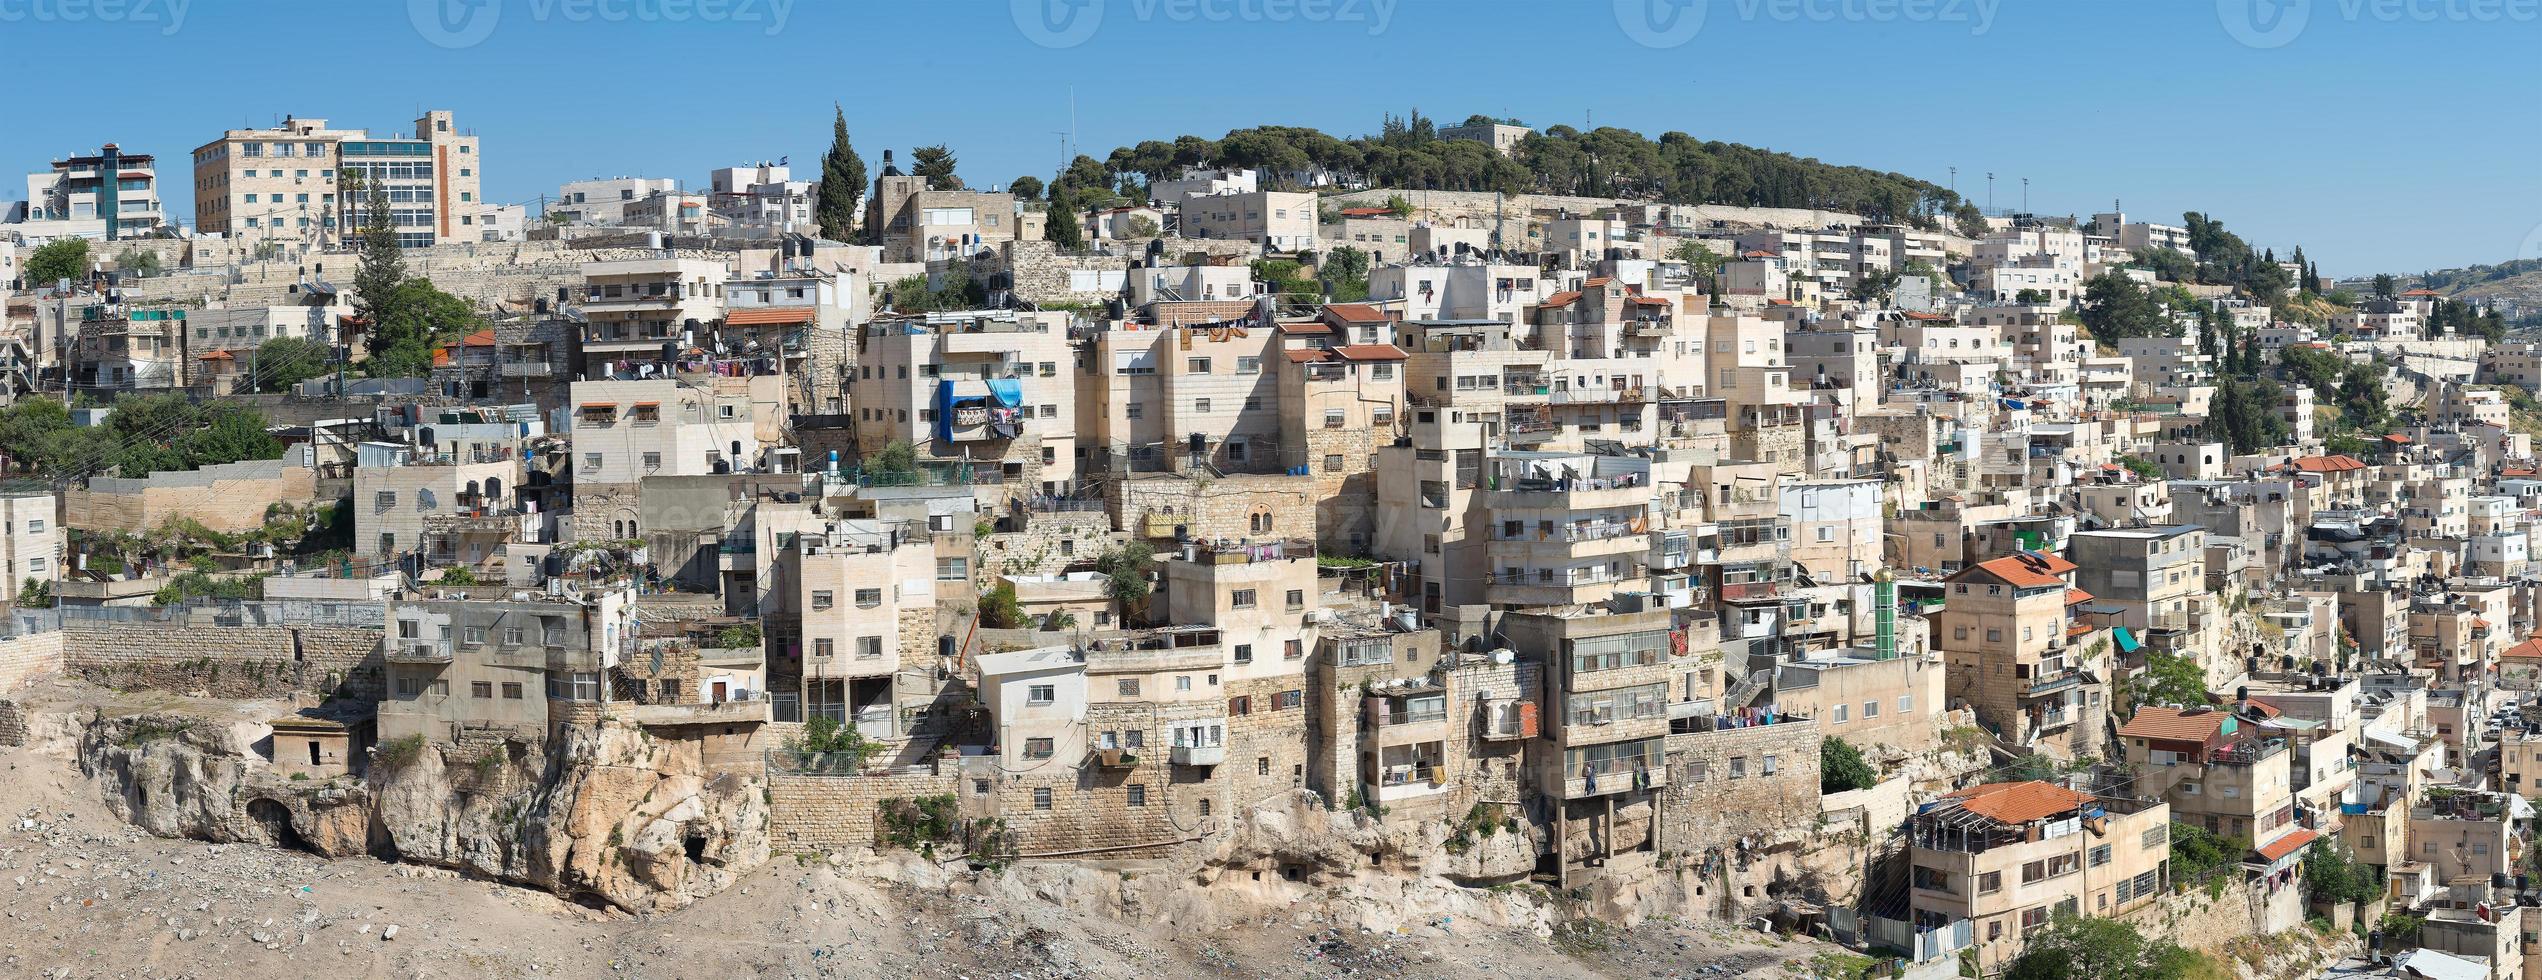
x=1943, y=587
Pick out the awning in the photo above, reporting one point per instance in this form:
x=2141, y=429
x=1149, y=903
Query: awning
x=587, y=406
x=769, y=315
x=643, y=405
x=2126, y=639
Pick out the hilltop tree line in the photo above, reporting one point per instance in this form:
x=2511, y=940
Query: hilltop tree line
x=1408, y=153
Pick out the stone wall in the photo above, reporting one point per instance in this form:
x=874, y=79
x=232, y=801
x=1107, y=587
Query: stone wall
x=2193, y=919
x=1216, y=507
x=1048, y=543
x=1040, y=272
x=227, y=498
x=227, y=661
x=836, y=813
x=27, y=657
x=1345, y=498
x=1266, y=745
x=1716, y=810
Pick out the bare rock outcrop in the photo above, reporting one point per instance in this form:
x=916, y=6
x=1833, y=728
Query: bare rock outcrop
x=617, y=817
x=177, y=776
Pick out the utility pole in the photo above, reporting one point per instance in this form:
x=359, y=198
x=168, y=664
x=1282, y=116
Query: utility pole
x=2025, y=194
x=1990, y=190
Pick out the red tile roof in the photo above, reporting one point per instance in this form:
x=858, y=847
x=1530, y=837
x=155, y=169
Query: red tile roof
x=481, y=338
x=2328, y=464
x=2530, y=649
x=1356, y=313
x=218, y=355
x=1563, y=298
x=2019, y=803
x=2073, y=596
x=1596, y=281
x=2029, y=569
x=1308, y=355
x=1364, y=212
x=1316, y=327
x=768, y=315
x=2422, y=292
x=1646, y=300
x=2174, y=725
x=2288, y=844
x=1371, y=352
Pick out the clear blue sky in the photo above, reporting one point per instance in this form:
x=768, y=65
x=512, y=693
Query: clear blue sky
x=2382, y=139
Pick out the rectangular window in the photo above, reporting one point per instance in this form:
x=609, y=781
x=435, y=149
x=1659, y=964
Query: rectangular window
x=2100, y=855
x=1037, y=748
x=1129, y=687
x=481, y=689
x=1241, y=599
x=1041, y=694
x=1041, y=797
x=1244, y=653
x=821, y=599
x=823, y=648
x=868, y=598
x=1138, y=795
x=869, y=648
x=1990, y=882
x=512, y=690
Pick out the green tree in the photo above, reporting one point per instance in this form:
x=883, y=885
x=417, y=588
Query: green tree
x=2115, y=308
x=282, y=362
x=1027, y=187
x=415, y=319
x=379, y=262
x=1344, y=272
x=1125, y=570
x=1062, y=228
x=1397, y=205
x=36, y=594
x=1841, y=767
x=1875, y=287
x=2170, y=679
x=1140, y=226
x=2386, y=287
x=842, y=183
x=935, y=163
x=2333, y=875
x=999, y=609
x=897, y=459
x=140, y=263
x=2073, y=946
x=59, y=259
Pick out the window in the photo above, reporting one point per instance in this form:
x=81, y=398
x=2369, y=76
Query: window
x=473, y=635
x=1870, y=710
x=869, y=648
x=868, y=598
x=952, y=569
x=1738, y=767
x=1138, y=794
x=1697, y=770
x=1291, y=699
x=1248, y=365
x=1200, y=406
x=1041, y=797
x=481, y=689
x=1297, y=599
x=1037, y=748
x=821, y=599
x=1840, y=713
x=1990, y=882
x=1244, y=653
x=823, y=648
x=1769, y=766
x=2033, y=919
x=1199, y=365
x=511, y=690
x=1129, y=687
x=2156, y=836
x=1041, y=694
x=2100, y=855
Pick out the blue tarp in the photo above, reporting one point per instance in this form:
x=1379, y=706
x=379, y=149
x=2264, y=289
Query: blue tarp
x=1009, y=391
x=2126, y=640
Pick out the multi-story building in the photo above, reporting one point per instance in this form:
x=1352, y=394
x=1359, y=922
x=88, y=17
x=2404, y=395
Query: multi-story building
x=2217, y=770
x=1279, y=220
x=2014, y=631
x=637, y=310
x=30, y=541
x=302, y=183
x=110, y=194
x=1602, y=763
x=1993, y=863
x=920, y=224
x=2156, y=576
x=864, y=594
x=986, y=389
x=487, y=660
x=448, y=504
x=604, y=200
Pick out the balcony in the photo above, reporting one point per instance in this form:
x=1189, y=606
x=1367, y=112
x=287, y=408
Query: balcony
x=1199, y=755
x=1751, y=591
x=421, y=652
x=1595, y=396
x=1548, y=587
x=529, y=369
x=732, y=711
x=1115, y=758
x=1402, y=782
x=1581, y=786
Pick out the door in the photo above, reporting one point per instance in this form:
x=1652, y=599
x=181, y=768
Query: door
x=720, y=688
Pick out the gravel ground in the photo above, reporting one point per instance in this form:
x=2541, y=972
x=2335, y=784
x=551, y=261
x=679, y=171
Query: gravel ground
x=87, y=896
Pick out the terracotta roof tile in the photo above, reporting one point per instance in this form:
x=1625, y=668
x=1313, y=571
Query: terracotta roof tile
x=1563, y=298
x=2019, y=803
x=2029, y=569
x=768, y=315
x=2328, y=464
x=2288, y=844
x=2530, y=649
x=2171, y=724
x=1356, y=313
x=1371, y=352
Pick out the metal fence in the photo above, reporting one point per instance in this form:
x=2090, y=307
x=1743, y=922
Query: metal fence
x=235, y=612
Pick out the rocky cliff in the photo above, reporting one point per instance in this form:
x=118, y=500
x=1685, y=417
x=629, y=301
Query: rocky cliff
x=605, y=816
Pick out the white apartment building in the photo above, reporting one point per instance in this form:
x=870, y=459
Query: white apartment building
x=1280, y=220
x=632, y=307
x=991, y=387
x=289, y=183
x=604, y=200
x=2134, y=235
x=1468, y=290
x=30, y=540
x=625, y=431
x=761, y=195
x=109, y=195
